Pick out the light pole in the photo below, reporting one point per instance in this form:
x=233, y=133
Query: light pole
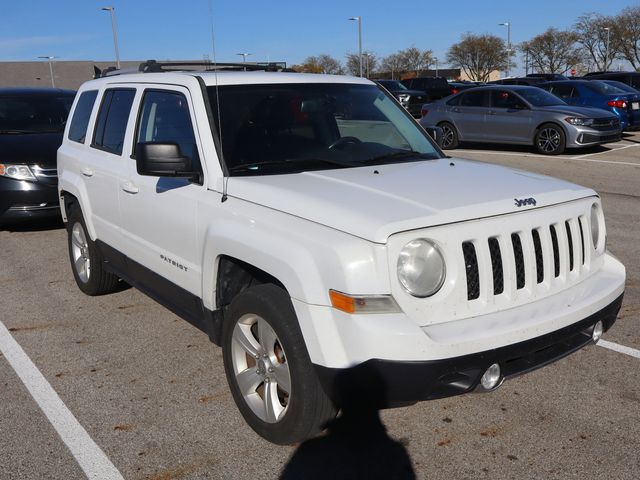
x=53, y=83
x=508, y=25
x=359, y=19
x=606, y=54
x=436, y=60
x=112, y=11
x=244, y=56
x=366, y=56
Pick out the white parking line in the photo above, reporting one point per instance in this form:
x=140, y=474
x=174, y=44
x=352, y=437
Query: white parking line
x=579, y=157
x=555, y=158
x=89, y=456
x=619, y=348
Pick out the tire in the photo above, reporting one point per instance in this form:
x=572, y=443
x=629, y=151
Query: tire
x=450, y=139
x=86, y=260
x=550, y=139
x=278, y=393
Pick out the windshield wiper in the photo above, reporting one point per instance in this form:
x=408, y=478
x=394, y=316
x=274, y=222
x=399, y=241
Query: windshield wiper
x=256, y=166
x=400, y=154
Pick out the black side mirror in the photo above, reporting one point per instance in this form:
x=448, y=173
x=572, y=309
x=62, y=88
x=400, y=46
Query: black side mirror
x=162, y=160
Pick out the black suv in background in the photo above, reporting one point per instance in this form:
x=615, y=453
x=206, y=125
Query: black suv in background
x=31, y=125
x=412, y=100
x=630, y=78
x=435, y=87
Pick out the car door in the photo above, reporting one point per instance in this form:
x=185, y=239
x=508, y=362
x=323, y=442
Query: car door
x=103, y=164
x=509, y=118
x=469, y=115
x=159, y=214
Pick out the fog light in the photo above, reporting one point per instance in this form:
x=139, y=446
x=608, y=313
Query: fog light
x=491, y=377
x=597, y=331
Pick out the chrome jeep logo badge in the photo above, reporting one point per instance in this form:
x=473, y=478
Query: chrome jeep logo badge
x=521, y=202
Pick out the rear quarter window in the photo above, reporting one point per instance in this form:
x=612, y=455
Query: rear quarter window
x=81, y=115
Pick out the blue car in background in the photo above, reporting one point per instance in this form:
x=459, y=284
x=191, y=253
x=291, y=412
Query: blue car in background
x=599, y=94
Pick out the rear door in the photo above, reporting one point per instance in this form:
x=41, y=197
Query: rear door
x=470, y=114
x=103, y=164
x=509, y=119
x=159, y=214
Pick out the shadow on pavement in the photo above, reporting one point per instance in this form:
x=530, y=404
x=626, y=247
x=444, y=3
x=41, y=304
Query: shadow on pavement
x=32, y=225
x=356, y=444
x=528, y=149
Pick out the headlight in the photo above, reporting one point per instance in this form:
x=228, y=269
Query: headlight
x=17, y=172
x=421, y=268
x=584, y=122
x=403, y=98
x=595, y=224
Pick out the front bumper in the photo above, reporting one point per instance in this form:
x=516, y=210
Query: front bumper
x=22, y=199
x=584, y=136
x=395, y=383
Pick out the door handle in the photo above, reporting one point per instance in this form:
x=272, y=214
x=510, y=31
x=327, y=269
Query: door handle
x=130, y=187
x=457, y=110
x=491, y=112
x=86, y=171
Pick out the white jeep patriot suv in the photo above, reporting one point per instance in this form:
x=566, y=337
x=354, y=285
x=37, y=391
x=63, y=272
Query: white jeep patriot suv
x=313, y=229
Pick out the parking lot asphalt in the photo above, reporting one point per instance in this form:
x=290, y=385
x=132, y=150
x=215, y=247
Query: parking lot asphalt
x=150, y=391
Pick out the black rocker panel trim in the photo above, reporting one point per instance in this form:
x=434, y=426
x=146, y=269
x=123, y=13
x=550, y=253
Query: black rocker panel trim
x=183, y=303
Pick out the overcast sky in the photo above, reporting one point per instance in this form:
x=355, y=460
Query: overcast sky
x=285, y=30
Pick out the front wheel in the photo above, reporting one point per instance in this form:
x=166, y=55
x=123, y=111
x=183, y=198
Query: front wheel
x=449, y=136
x=268, y=368
x=550, y=139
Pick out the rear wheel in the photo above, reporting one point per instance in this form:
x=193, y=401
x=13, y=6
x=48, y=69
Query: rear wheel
x=550, y=139
x=449, y=136
x=268, y=368
x=86, y=260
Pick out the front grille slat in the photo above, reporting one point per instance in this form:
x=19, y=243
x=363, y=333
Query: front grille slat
x=496, y=265
x=537, y=245
x=471, y=269
x=519, y=260
x=570, y=242
x=556, y=250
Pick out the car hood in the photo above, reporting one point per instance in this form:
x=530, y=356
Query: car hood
x=32, y=148
x=376, y=202
x=582, y=111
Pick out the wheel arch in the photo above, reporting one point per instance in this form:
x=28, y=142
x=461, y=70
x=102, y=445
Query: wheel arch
x=552, y=122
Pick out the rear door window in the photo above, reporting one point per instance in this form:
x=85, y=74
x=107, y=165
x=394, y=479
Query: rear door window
x=111, y=125
x=474, y=98
x=81, y=115
x=564, y=91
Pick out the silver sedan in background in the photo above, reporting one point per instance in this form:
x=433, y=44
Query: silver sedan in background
x=521, y=115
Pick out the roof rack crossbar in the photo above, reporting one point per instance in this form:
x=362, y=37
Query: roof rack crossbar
x=154, y=66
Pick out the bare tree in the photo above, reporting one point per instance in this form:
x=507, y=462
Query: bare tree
x=479, y=55
x=369, y=63
x=553, y=51
x=414, y=59
x=625, y=35
x=393, y=64
x=321, y=64
x=596, y=39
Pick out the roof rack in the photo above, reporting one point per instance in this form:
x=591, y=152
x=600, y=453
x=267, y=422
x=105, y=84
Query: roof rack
x=153, y=66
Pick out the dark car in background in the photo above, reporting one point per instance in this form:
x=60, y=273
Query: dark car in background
x=412, y=100
x=598, y=94
x=460, y=86
x=520, y=115
x=547, y=76
x=630, y=78
x=519, y=81
x=434, y=87
x=32, y=122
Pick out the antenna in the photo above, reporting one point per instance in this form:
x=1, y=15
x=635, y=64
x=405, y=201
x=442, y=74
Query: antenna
x=225, y=179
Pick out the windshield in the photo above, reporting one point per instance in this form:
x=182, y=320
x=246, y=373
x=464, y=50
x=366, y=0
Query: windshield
x=603, y=88
x=34, y=113
x=290, y=128
x=392, y=85
x=539, y=98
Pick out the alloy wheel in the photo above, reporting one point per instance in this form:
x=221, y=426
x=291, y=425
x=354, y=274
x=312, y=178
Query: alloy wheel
x=80, y=252
x=260, y=368
x=549, y=139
